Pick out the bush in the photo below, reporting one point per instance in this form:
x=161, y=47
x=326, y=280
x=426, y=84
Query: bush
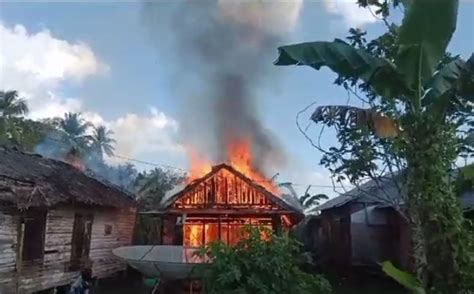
x=257, y=265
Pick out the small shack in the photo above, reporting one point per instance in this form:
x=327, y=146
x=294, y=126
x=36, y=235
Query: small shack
x=218, y=205
x=55, y=220
x=363, y=227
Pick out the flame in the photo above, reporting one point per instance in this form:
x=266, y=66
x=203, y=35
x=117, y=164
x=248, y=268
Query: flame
x=74, y=159
x=240, y=157
x=199, y=165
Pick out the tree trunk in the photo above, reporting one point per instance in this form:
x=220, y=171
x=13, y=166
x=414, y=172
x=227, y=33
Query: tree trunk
x=438, y=225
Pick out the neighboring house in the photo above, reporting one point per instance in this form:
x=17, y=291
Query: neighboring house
x=218, y=205
x=362, y=227
x=55, y=220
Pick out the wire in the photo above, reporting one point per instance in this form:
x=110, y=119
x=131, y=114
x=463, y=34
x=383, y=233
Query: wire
x=149, y=163
x=167, y=166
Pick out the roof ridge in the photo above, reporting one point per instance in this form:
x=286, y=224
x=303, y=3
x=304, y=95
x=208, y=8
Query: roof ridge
x=273, y=197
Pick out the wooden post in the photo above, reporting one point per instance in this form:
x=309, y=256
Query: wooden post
x=19, y=252
x=219, y=228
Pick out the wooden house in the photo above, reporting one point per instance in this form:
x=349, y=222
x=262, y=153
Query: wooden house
x=218, y=205
x=55, y=220
x=364, y=227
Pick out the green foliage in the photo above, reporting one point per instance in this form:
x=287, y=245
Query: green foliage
x=425, y=97
x=56, y=137
x=152, y=186
x=311, y=200
x=405, y=279
x=11, y=105
x=347, y=61
x=423, y=38
x=148, y=230
x=465, y=179
x=259, y=266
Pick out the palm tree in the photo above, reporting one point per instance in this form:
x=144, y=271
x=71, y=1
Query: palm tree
x=153, y=185
x=102, y=142
x=74, y=129
x=311, y=200
x=421, y=98
x=10, y=108
x=11, y=105
x=74, y=125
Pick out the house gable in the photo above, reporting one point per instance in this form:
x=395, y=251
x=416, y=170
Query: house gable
x=226, y=188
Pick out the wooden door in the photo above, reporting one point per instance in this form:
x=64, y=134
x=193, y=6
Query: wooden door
x=81, y=239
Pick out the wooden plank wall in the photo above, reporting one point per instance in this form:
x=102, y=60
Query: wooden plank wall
x=7, y=250
x=123, y=223
x=57, y=251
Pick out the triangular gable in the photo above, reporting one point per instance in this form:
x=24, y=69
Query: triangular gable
x=226, y=187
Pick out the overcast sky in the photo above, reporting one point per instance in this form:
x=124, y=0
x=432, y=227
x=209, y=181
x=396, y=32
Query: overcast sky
x=99, y=59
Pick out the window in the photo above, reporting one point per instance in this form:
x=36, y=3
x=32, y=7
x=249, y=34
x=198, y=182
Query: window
x=34, y=224
x=81, y=240
x=107, y=230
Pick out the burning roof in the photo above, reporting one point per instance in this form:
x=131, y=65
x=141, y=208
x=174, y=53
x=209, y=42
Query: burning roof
x=30, y=180
x=273, y=197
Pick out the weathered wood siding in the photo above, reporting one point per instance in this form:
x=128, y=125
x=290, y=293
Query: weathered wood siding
x=8, y=238
x=123, y=223
x=54, y=270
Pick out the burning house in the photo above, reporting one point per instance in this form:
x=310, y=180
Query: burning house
x=222, y=52
x=55, y=220
x=220, y=200
x=218, y=205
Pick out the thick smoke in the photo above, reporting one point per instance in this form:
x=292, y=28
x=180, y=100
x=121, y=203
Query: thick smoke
x=223, y=50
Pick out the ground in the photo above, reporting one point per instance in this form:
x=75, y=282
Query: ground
x=136, y=285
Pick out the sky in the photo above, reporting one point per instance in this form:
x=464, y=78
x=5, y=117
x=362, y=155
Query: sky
x=98, y=58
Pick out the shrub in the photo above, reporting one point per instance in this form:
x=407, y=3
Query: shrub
x=260, y=265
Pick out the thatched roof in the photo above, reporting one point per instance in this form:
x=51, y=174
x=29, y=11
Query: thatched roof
x=30, y=180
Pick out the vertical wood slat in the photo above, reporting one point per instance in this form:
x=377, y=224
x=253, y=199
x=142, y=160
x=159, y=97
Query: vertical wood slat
x=53, y=272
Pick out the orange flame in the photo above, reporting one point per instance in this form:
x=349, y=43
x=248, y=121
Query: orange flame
x=240, y=157
x=199, y=165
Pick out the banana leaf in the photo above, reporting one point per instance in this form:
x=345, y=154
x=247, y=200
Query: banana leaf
x=424, y=35
x=405, y=279
x=346, y=61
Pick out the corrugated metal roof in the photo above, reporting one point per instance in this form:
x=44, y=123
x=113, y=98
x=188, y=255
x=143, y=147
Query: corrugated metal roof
x=385, y=194
x=383, y=191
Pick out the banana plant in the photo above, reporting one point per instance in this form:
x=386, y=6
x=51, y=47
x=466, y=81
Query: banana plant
x=405, y=279
x=428, y=88
x=411, y=77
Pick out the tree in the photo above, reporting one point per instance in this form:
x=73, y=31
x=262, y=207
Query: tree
x=311, y=200
x=11, y=105
x=153, y=185
x=102, y=142
x=75, y=135
x=420, y=104
x=259, y=265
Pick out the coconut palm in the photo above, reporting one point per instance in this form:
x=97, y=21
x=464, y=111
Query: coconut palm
x=74, y=129
x=11, y=105
x=102, y=142
x=428, y=93
x=311, y=200
x=74, y=125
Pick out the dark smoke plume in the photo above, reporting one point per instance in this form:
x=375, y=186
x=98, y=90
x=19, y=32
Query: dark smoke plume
x=220, y=49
